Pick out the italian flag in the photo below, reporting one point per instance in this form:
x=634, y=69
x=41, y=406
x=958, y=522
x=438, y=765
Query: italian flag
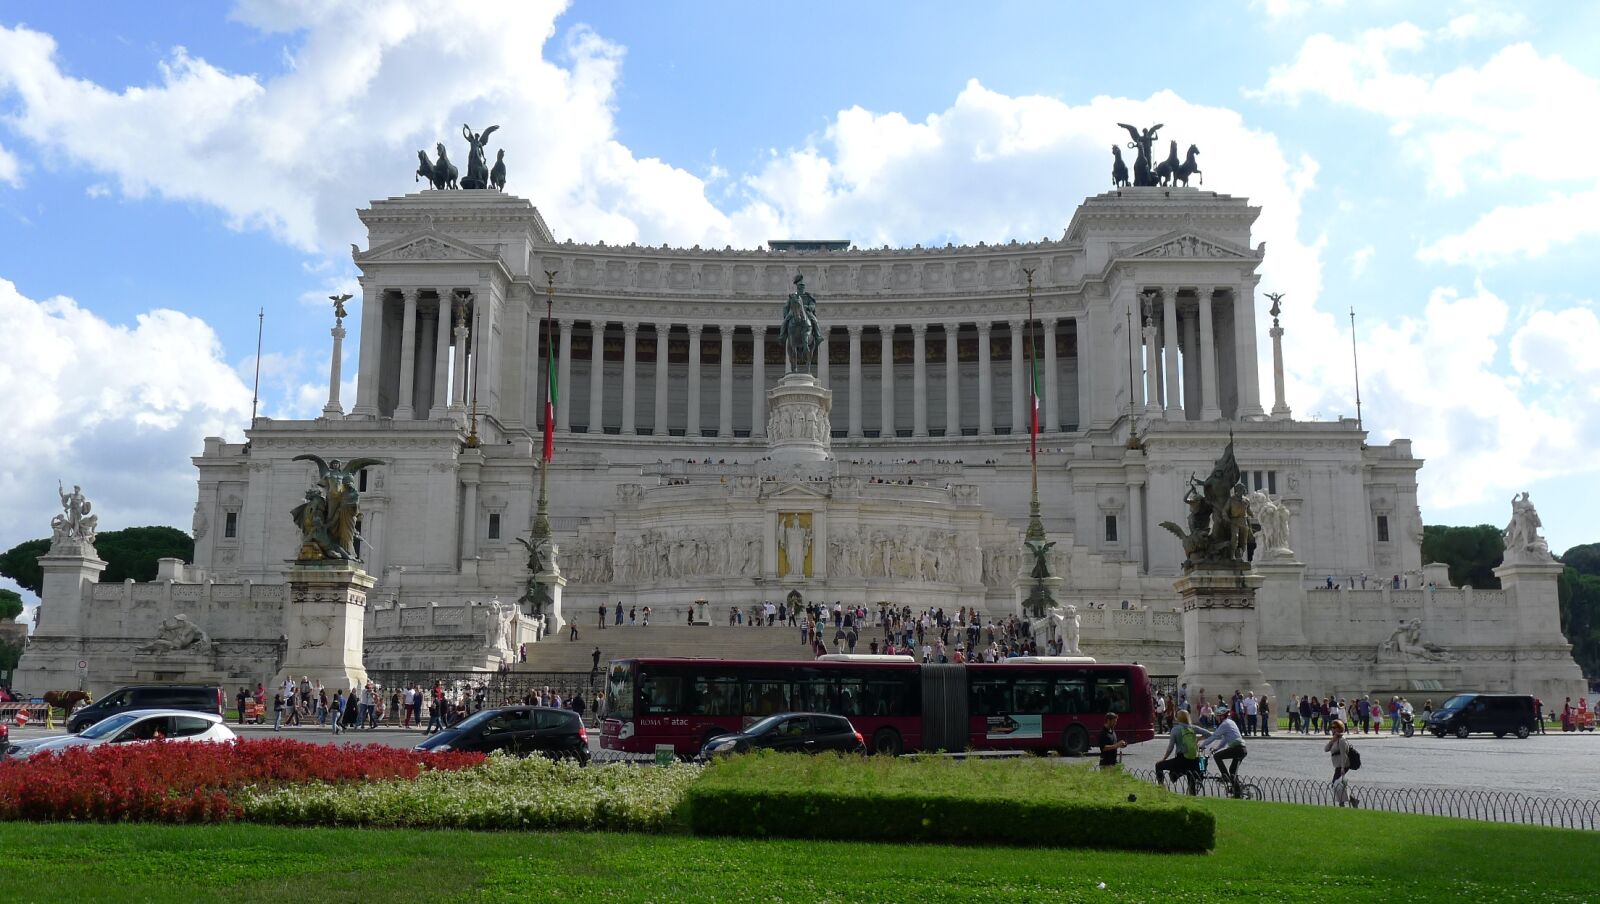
x=550, y=392
x=1033, y=397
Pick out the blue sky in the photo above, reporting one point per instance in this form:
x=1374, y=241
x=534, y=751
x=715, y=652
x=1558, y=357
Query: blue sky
x=163, y=176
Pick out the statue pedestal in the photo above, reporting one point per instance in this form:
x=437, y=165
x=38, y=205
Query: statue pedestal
x=701, y=613
x=1401, y=676
x=1220, y=631
x=798, y=429
x=553, y=583
x=1281, y=601
x=325, y=624
x=50, y=661
x=1022, y=586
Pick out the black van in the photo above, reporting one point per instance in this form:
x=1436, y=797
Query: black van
x=200, y=698
x=1502, y=714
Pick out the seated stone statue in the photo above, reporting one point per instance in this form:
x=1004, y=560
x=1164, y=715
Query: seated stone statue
x=1406, y=645
x=175, y=634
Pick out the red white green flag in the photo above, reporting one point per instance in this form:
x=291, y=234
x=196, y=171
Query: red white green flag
x=550, y=393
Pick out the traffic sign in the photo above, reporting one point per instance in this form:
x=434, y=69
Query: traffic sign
x=83, y=665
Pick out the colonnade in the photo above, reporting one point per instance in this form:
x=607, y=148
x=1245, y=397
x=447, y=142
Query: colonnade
x=430, y=378
x=1183, y=357
x=852, y=419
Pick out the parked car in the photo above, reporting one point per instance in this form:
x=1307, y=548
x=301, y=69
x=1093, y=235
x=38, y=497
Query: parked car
x=799, y=732
x=200, y=698
x=518, y=730
x=134, y=726
x=1501, y=714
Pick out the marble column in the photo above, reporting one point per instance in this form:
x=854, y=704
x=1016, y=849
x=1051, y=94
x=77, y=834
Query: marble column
x=1136, y=523
x=405, y=410
x=952, y=381
x=1191, y=366
x=630, y=333
x=758, y=380
x=691, y=425
x=886, y=394
x=1081, y=345
x=1280, y=408
x=458, y=398
x=1208, y=360
x=1169, y=335
x=564, y=380
x=659, y=428
x=1019, y=379
x=1245, y=369
x=335, y=370
x=469, y=521
x=855, y=379
x=597, y=376
x=919, y=379
x=985, y=382
x=725, y=383
x=441, y=360
x=1052, y=380
x=1152, y=366
x=822, y=359
x=367, y=365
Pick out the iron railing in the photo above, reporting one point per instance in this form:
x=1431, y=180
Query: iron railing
x=498, y=688
x=1462, y=803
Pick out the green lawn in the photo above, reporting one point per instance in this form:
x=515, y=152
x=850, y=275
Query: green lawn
x=1272, y=852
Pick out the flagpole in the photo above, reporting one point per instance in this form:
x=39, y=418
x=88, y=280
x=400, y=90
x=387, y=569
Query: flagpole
x=255, y=394
x=1356, y=359
x=541, y=518
x=1035, y=521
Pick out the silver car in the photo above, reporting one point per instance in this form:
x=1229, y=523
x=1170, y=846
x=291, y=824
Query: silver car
x=134, y=726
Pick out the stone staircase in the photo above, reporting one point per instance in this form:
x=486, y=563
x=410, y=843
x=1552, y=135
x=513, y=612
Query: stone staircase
x=557, y=654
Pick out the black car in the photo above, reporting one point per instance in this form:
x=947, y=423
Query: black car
x=518, y=730
x=1501, y=714
x=200, y=698
x=802, y=732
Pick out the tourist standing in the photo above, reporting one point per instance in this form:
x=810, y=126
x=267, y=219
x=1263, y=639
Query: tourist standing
x=602, y=616
x=1265, y=708
x=336, y=711
x=1339, y=751
x=1110, y=747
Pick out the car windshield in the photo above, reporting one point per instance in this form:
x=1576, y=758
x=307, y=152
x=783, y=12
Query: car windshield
x=474, y=720
x=1456, y=702
x=107, y=727
x=765, y=725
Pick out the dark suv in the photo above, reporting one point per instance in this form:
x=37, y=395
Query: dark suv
x=518, y=730
x=797, y=732
x=200, y=698
x=1501, y=714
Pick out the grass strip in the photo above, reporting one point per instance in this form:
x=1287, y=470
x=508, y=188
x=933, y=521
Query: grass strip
x=1029, y=802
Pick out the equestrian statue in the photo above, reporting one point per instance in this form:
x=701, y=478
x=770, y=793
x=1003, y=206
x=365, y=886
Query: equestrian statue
x=801, y=333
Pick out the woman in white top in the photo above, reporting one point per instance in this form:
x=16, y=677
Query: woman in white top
x=1339, y=750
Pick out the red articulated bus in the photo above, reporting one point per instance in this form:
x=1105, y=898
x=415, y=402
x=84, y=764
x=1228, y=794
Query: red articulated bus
x=1038, y=704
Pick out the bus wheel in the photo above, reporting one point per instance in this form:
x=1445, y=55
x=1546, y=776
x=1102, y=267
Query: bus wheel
x=1076, y=740
x=886, y=741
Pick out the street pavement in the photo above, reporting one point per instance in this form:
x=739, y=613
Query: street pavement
x=1556, y=764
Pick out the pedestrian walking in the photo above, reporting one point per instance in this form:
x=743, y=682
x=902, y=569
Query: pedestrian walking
x=1339, y=751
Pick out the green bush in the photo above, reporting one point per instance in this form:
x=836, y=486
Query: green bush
x=503, y=793
x=975, y=801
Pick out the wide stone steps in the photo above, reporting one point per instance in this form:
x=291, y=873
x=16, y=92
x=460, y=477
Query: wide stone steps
x=557, y=654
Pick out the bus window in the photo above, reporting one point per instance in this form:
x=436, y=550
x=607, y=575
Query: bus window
x=852, y=694
x=1029, y=695
x=661, y=694
x=763, y=698
x=989, y=695
x=1111, y=693
x=886, y=697
x=619, y=691
x=1071, y=695
x=716, y=697
x=815, y=693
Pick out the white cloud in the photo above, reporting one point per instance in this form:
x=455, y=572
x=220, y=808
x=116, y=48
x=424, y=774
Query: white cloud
x=1484, y=429
x=294, y=153
x=1485, y=23
x=1508, y=119
x=10, y=169
x=1359, y=259
x=1280, y=10
x=1514, y=232
x=118, y=409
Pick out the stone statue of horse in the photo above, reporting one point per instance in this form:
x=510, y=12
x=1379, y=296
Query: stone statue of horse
x=1189, y=167
x=444, y=172
x=1169, y=166
x=424, y=168
x=1119, y=170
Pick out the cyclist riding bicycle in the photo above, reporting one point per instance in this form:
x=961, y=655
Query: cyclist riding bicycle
x=1184, y=743
x=1230, y=747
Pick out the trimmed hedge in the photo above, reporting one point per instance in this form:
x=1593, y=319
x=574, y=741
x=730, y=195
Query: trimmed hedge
x=1026, y=802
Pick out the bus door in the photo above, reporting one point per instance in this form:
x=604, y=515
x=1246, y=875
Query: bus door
x=944, y=707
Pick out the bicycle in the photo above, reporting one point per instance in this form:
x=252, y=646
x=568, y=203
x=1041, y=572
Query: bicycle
x=1240, y=790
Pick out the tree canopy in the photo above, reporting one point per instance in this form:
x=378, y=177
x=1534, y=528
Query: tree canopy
x=1579, y=595
x=10, y=604
x=1471, y=552
x=129, y=553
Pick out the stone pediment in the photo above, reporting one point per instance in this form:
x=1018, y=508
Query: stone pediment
x=423, y=246
x=801, y=491
x=1183, y=244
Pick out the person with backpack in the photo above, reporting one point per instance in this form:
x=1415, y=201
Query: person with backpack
x=1345, y=759
x=1182, y=755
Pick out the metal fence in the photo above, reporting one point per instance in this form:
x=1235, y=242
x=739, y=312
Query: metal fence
x=1462, y=803
x=498, y=688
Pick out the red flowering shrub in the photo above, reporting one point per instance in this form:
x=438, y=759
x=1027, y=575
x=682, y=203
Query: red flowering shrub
x=188, y=782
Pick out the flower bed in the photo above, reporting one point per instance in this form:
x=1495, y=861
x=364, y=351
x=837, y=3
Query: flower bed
x=503, y=793
x=185, y=782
